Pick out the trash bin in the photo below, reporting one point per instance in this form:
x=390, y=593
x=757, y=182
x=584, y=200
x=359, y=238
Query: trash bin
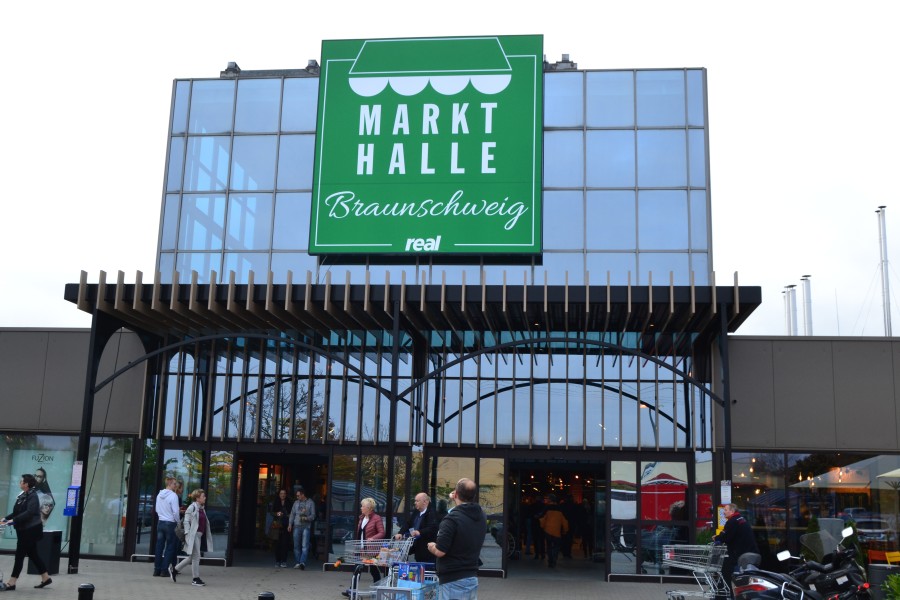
x=48, y=549
x=877, y=575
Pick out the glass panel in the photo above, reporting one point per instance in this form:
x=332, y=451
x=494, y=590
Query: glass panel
x=559, y=265
x=697, y=150
x=374, y=471
x=180, y=106
x=700, y=267
x=169, y=222
x=563, y=159
x=662, y=160
x=296, y=262
x=705, y=490
x=301, y=98
x=218, y=500
x=206, y=163
x=491, y=483
x=211, y=106
x=699, y=211
x=249, y=222
x=295, y=162
x=146, y=501
x=254, y=163
x=257, y=105
x=202, y=262
x=662, y=220
x=660, y=264
x=291, y=221
x=176, y=164
x=610, y=159
x=166, y=266
x=610, y=99
x=244, y=262
x=563, y=99
x=447, y=471
x=186, y=466
x=611, y=218
x=696, y=98
x=202, y=222
x=618, y=264
x=660, y=98
x=344, y=501
x=397, y=494
x=623, y=505
x=663, y=498
x=563, y=220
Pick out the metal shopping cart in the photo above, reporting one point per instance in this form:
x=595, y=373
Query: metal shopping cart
x=379, y=554
x=704, y=562
x=390, y=588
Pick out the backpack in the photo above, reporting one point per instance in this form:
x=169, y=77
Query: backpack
x=179, y=530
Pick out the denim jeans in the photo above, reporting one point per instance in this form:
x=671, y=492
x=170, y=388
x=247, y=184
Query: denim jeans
x=461, y=589
x=165, y=540
x=301, y=543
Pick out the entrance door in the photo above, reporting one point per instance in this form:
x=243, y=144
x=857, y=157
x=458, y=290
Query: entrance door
x=260, y=478
x=578, y=490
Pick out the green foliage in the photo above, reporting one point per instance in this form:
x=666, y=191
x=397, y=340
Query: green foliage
x=891, y=587
x=705, y=536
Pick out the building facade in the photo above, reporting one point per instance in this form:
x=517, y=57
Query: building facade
x=594, y=369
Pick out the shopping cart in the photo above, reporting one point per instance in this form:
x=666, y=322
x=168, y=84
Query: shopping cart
x=704, y=562
x=390, y=588
x=378, y=554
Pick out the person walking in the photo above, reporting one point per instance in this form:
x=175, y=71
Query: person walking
x=26, y=518
x=280, y=509
x=303, y=513
x=458, y=545
x=555, y=526
x=738, y=538
x=196, y=529
x=167, y=543
x=422, y=526
x=369, y=526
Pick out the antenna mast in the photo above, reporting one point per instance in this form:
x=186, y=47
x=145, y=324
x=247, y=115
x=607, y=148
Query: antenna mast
x=885, y=285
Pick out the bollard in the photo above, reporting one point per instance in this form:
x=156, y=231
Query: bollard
x=266, y=596
x=86, y=591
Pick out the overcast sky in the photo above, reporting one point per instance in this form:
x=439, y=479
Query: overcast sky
x=804, y=118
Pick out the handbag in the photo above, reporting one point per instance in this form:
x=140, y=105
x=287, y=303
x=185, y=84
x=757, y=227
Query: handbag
x=179, y=530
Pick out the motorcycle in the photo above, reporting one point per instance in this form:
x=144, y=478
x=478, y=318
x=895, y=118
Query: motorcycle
x=833, y=575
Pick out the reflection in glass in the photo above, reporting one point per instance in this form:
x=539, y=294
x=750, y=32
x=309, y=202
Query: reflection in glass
x=558, y=266
x=662, y=158
x=291, y=222
x=301, y=97
x=296, y=262
x=563, y=220
x=253, y=167
x=180, y=106
x=206, y=163
x=563, y=99
x=169, y=222
x=257, y=105
x=201, y=262
x=176, y=164
x=611, y=221
x=610, y=99
x=563, y=159
x=662, y=220
x=661, y=264
x=620, y=267
x=491, y=486
x=295, y=162
x=202, y=222
x=660, y=98
x=249, y=222
x=623, y=509
x=610, y=158
x=218, y=500
x=212, y=104
x=242, y=263
x=699, y=227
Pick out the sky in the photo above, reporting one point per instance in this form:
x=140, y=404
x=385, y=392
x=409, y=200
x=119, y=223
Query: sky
x=804, y=122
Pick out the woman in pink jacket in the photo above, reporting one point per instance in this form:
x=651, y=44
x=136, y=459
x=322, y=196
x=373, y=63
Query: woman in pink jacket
x=369, y=526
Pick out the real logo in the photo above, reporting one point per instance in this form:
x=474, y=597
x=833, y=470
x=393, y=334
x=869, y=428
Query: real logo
x=423, y=244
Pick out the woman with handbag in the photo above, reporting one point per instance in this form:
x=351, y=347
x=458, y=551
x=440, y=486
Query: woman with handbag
x=196, y=529
x=280, y=509
x=26, y=517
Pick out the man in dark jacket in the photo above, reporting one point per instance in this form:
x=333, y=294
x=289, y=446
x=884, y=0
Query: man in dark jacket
x=738, y=538
x=458, y=546
x=422, y=525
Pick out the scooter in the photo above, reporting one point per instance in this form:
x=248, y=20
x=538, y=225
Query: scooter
x=834, y=575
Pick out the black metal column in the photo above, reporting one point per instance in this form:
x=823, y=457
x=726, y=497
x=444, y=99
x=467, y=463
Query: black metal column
x=726, y=387
x=102, y=328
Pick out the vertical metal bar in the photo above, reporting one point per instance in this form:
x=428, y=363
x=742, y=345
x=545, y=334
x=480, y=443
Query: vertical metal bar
x=292, y=419
x=226, y=394
x=477, y=397
x=459, y=395
x=496, y=399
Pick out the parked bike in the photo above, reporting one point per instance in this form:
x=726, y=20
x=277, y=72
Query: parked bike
x=834, y=574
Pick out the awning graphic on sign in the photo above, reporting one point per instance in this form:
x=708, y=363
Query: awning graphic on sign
x=449, y=65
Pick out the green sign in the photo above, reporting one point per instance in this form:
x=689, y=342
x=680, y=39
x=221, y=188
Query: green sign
x=428, y=146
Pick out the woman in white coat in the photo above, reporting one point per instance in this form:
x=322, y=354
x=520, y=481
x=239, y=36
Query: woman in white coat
x=196, y=525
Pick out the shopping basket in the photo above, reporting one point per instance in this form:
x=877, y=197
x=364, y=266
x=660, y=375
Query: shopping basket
x=706, y=558
x=381, y=553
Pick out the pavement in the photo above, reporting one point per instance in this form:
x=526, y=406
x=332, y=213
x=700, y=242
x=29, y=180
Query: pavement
x=120, y=580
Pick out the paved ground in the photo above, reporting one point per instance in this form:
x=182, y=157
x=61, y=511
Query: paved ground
x=116, y=580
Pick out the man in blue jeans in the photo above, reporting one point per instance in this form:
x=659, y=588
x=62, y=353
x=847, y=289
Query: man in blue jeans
x=458, y=544
x=166, y=542
x=303, y=513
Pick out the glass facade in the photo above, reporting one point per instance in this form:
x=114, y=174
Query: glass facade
x=625, y=183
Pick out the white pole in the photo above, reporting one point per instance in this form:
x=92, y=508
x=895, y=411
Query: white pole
x=885, y=285
x=807, y=306
x=793, y=295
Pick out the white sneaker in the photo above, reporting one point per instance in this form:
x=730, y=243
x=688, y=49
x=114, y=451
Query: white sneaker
x=297, y=566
